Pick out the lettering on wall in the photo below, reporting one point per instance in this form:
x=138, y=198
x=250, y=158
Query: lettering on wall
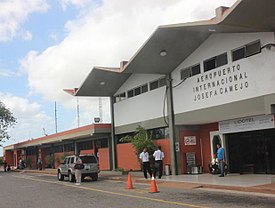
x=224, y=81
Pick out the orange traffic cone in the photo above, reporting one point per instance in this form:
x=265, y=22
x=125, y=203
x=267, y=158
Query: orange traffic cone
x=130, y=184
x=154, y=188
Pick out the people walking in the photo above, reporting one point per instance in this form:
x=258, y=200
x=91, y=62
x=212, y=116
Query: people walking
x=158, y=155
x=5, y=166
x=78, y=167
x=221, y=159
x=39, y=164
x=144, y=157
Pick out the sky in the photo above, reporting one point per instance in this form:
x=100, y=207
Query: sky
x=50, y=45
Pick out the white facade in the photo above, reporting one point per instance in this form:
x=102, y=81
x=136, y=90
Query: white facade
x=243, y=79
x=240, y=80
x=139, y=108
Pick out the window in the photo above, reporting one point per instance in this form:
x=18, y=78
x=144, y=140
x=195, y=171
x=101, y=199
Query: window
x=144, y=88
x=190, y=71
x=30, y=152
x=238, y=54
x=69, y=147
x=215, y=62
x=137, y=91
x=71, y=160
x=158, y=83
x=159, y=133
x=154, y=85
x=119, y=97
x=245, y=51
x=185, y=73
x=195, y=70
x=85, y=145
x=252, y=48
x=58, y=148
x=130, y=93
x=102, y=143
x=162, y=82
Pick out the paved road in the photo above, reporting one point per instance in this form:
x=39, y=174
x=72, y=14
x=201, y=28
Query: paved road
x=41, y=191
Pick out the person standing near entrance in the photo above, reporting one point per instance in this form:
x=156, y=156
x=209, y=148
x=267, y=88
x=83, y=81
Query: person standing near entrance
x=144, y=157
x=221, y=159
x=158, y=155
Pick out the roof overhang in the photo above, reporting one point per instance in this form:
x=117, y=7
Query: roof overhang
x=180, y=40
x=102, y=82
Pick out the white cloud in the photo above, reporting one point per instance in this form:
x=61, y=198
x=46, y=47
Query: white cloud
x=8, y=73
x=26, y=35
x=107, y=34
x=13, y=13
x=30, y=118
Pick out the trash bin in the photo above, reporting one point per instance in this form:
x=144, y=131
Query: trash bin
x=167, y=169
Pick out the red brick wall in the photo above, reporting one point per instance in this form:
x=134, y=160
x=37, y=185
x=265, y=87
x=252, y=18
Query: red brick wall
x=126, y=157
x=104, y=161
x=9, y=157
x=189, y=148
x=202, y=143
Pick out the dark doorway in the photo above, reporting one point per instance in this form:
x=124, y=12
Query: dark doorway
x=252, y=152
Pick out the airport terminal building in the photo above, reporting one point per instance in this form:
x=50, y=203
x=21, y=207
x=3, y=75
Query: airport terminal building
x=197, y=84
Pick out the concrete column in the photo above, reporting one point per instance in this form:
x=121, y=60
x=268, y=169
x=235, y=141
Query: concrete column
x=113, y=155
x=171, y=118
x=75, y=148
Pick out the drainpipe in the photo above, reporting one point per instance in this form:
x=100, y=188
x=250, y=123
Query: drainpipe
x=113, y=158
x=171, y=118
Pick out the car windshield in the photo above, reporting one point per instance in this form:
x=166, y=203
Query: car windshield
x=88, y=159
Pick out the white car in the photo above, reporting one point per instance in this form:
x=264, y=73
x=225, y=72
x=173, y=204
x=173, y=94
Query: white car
x=66, y=169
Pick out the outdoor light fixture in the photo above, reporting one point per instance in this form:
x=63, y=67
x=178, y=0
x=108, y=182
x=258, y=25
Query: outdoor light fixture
x=102, y=83
x=163, y=53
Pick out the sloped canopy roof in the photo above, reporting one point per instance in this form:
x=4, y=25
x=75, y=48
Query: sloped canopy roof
x=102, y=82
x=179, y=41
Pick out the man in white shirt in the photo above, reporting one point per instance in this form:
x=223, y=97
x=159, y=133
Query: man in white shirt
x=158, y=155
x=144, y=157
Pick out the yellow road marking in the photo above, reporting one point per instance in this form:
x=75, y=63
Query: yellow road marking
x=114, y=193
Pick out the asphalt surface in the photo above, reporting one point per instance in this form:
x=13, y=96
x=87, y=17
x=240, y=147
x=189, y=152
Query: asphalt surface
x=44, y=191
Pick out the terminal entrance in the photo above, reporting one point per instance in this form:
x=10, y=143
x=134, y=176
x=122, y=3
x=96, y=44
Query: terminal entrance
x=252, y=152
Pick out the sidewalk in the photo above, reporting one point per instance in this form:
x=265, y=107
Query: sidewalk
x=233, y=182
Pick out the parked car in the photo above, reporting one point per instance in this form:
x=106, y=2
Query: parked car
x=66, y=169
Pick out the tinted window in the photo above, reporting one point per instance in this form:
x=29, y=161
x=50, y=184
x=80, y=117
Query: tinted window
x=221, y=60
x=154, y=85
x=88, y=159
x=144, y=88
x=252, y=48
x=130, y=93
x=210, y=64
x=195, y=70
x=238, y=54
x=72, y=160
x=185, y=73
x=123, y=96
x=137, y=91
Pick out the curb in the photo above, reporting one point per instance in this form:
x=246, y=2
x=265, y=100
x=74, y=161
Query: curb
x=263, y=189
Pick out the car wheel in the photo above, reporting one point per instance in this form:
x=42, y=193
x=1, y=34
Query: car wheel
x=60, y=177
x=95, y=177
x=71, y=177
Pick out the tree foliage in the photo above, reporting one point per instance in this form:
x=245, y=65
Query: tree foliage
x=140, y=140
x=6, y=121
